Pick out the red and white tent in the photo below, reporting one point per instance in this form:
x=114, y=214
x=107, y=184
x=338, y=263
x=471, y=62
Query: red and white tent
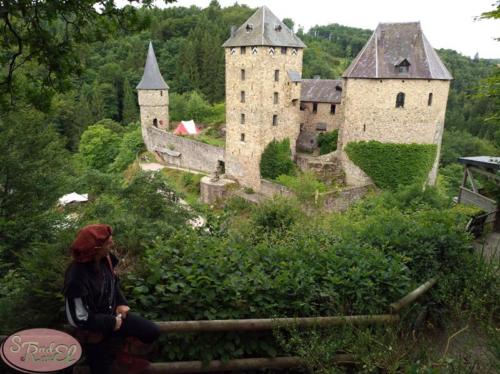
x=186, y=128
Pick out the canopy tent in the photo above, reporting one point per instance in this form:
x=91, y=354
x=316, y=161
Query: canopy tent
x=186, y=128
x=73, y=198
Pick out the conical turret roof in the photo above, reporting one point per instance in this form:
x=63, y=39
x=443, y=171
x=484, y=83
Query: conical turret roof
x=152, y=79
x=263, y=28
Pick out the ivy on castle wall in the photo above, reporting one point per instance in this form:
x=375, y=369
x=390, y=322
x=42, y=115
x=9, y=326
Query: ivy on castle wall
x=276, y=160
x=391, y=165
x=327, y=142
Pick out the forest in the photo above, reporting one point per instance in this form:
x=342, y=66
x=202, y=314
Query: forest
x=69, y=122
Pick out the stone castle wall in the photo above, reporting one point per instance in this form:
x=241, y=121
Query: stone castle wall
x=259, y=85
x=370, y=113
x=323, y=115
x=184, y=152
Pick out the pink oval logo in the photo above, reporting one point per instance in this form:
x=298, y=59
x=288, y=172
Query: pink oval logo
x=40, y=350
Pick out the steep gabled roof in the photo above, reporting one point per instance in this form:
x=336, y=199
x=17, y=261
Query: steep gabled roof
x=152, y=79
x=263, y=28
x=389, y=46
x=321, y=90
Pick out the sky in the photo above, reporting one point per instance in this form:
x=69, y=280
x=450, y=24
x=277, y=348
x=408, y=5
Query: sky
x=446, y=23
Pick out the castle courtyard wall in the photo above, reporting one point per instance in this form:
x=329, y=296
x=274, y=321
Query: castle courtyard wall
x=323, y=115
x=184, y=152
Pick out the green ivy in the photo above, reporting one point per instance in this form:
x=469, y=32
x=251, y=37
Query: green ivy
x=391, y=165
x=327, y=142
x=276, y=160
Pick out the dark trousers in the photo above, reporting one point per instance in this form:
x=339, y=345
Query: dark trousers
x=100, y=356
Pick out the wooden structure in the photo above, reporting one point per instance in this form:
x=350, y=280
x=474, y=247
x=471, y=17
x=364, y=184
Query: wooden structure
x=469, y=194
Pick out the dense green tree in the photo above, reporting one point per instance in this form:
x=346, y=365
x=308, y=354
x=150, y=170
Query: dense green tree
x=276, y=160
x=130, y=110
x=98, y=147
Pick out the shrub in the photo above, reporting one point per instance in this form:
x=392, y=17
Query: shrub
x=278, y=214
x=304, y=185
x=130, y=146
x=276, y=160
x=98, y=147
x=391, y=165
x=327, y=142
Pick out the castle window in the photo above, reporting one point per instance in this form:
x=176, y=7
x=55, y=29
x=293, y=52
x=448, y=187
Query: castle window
x=276, y=75
x=161, y=93
x=315, y=107
x=333, y=107
x=243, y=50
x=301, y=127
x=403, y=66
x=400, y=100
x=283, y=50
x=242, y=96
x=242, y=74
x=155, y=122
x=429, y=100
x=278, y=28
x=242, y=118
x=275, y=98
x=249, y=27
x=294, y=102
x=242, y=137
x=303, y=106
x=275, y=120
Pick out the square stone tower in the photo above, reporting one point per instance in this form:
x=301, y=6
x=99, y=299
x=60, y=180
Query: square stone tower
x=263, y=71
x=395, y=91
x=153, y=97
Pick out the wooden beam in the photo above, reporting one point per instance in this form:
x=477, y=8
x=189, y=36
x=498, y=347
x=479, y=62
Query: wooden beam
x=471, y=178
x=238, y=364
x=495, y=177
x=412, y=296
x=271, y=323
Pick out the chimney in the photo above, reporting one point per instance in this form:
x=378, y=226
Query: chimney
x=233, y=31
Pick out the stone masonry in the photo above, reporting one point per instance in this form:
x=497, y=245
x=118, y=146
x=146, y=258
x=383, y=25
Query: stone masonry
x=371, y=114
x=259, y=107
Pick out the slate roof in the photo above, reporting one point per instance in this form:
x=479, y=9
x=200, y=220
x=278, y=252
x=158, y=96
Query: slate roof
x=392, y=43
x=264, y=29
x=321, y=90
x=152, y=79
x=483, y=161
x=294, y=76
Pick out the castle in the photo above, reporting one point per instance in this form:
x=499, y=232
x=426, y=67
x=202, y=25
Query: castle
x=394, y=91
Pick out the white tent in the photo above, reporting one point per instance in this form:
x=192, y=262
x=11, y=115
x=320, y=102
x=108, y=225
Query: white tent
x=73, y=198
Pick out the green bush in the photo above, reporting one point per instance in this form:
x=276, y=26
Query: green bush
x=304, y=185
x=98, y=147
x=276, y=160
x=391, y=165
x=327, y=142
x=130, y=146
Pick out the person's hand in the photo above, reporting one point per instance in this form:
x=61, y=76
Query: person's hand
x=123, y=310
x=118, y=322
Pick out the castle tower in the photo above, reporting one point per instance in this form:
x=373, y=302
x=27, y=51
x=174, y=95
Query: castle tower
x=395, y=91
x=263, y=71
x=153, y=97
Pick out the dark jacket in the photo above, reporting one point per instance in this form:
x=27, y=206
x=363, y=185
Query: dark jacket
x=92, y=294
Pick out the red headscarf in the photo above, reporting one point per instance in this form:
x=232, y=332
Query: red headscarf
x=88, y=240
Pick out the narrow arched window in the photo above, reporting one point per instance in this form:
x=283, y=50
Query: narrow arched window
x=400, y=100
x=155, y=122
x=429, y=100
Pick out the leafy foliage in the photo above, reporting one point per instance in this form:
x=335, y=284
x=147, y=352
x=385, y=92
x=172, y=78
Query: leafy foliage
x=130, y=146
x=304, y=185
x=327, y=142
x=276, y=160
x=391, y=165
x=98, y=147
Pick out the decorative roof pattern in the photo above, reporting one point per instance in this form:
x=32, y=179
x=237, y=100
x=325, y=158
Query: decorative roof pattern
x=263, y=28
x=152, y=79
x=321, y=90
x=388, y=47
